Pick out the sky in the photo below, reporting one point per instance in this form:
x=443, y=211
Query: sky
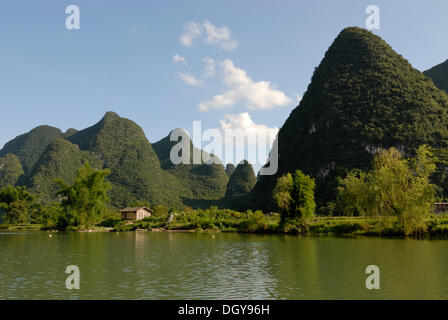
x=164, y=64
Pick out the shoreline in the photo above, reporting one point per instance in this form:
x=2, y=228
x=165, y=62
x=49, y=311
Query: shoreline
x=367, y=234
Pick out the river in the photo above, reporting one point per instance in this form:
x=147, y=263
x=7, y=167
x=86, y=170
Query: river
x=163, y=265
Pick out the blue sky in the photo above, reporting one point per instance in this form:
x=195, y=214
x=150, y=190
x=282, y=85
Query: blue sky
x=121, y=58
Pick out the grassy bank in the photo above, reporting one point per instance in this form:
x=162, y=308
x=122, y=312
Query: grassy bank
x=213, y=219
x=30, y=227
x=437, y=226
x=224, y=220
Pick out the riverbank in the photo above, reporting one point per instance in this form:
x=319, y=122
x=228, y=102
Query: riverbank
x=254, y=222
x=437, y=226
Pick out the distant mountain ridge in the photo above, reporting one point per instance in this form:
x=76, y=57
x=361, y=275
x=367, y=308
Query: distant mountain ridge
x=204, y=181
x=439, y=75
x=29, y=146
x=138, y=172
x=242, y=180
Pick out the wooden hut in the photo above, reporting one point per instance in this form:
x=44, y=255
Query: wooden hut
x=135, y=213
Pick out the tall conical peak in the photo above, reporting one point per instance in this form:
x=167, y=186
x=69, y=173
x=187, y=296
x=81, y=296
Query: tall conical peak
x=363, y=95
x=110, y=116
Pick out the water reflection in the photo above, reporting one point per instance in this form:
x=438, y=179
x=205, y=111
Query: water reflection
x=151, y=265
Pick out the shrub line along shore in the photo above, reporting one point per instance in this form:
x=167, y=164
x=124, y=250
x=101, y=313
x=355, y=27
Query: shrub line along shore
x=327, y=226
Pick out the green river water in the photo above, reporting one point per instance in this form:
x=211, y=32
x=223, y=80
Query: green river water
x=162, y=265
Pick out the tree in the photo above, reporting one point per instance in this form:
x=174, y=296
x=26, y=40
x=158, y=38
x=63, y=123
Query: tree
x=395, y=187
x=294, y=194
x=17, y=204
x=353, y=194
x=282, y=193
x=18, y=212
x=86, y=200
x=49, y=215
x=10, y=170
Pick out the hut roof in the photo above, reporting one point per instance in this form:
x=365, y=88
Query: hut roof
x=135, y=209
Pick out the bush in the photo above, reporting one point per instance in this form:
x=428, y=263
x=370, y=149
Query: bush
x=122, y=226
x=439, y=230
x=110, y=222
x=349, y=227
x=255, y=222
x=296, y=226
x=151, y=222
x=438, y=227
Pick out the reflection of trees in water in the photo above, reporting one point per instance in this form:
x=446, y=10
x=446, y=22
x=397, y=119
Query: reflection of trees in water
x=150, y=265
x=239, y=267
x=419, y=269
x=92, y=253
x=217, y=266
x=293, y=262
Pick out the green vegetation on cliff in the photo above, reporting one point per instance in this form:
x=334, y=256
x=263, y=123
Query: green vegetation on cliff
x=28, y=147
x=135, y=168
x=439, y=75
x=230, y=168
x=10, y=170
x=60, y=160
x=363, y=96
x=199, y=181
x=139, y=171
x=241, y=181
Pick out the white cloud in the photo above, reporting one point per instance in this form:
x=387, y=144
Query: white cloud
x=191, y=80
x=177, y=58
x=209, y=67
x=298, y=97
x=243, y=122
x=191, y=31
x=219, y=36
x=242, y=89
